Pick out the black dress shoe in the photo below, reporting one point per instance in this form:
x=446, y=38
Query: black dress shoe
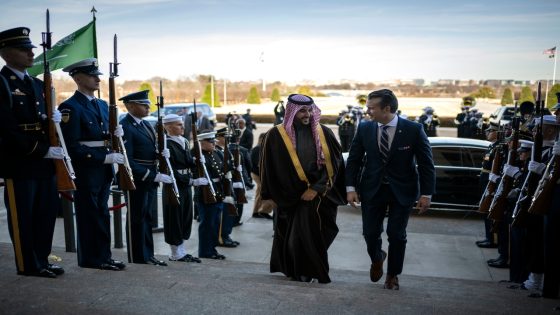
x=494, y=260
x=156, y=262
x=482, y=241
x=56, y=269
x=227, y=243
x=117, y=263
x=487, y=245
x=108, y=266
x=187, y=258
x=500, y=263
x=215, y=256
x=43, y=273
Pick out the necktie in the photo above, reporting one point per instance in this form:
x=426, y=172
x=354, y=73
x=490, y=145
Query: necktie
x=148, y=129
x=384, y=143
x=29, y=83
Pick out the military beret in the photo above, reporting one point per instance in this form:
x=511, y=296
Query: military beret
x=137, y=97
x=88, y=66
x=16, y=37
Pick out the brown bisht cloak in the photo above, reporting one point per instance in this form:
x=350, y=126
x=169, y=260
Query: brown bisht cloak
x=303, y=230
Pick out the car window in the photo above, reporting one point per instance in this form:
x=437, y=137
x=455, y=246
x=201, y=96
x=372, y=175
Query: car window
x=472, y=157
x=447, y=156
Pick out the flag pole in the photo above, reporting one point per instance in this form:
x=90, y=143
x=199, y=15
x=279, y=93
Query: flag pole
x=93, y=11
x=554, y=71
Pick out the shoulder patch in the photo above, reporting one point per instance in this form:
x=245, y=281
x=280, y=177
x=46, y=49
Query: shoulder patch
x=65, y=113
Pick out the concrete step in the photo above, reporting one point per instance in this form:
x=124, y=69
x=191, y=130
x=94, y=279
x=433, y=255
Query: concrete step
x=233, y=287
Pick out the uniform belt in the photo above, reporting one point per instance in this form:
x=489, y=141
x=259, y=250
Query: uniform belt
x=216, y=180
x=484, y=171
x=95, y=144
x=30, y=127
x=184, y=171
x=145, y=162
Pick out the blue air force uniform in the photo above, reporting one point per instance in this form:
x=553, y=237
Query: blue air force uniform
x=85, y=123
x=30, y=194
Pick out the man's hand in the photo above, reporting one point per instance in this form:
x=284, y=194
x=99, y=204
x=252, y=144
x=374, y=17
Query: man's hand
x=309, y=195
x=423, y=204
x=352, y=198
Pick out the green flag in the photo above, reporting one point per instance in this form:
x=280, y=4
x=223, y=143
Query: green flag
x=75, y=47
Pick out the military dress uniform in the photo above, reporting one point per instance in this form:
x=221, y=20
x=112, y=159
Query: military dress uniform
x=85, y=123
x=140, y=143
x=346, y=128
x=484, y=178
x=177, y=220
x=209, y=213
x=30, y=194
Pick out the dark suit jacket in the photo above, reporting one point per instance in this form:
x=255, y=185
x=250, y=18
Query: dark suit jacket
x=246, y=139
x=140, y=147
x=83, y=121
x=409, y=169
x=22, y=152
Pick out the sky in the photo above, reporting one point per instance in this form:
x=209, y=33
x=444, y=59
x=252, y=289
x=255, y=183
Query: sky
x=318, y=41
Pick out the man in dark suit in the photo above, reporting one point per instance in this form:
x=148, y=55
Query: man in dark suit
x=85, y=125
x=246, y=137
x=140, y=144
x=202, y=124
x=26, y=161
x=397, y=164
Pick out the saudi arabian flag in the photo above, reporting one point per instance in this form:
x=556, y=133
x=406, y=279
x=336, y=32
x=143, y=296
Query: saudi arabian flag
x=77, y=46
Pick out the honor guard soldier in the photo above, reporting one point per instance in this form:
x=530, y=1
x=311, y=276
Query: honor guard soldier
x=209, y=212
x=26, y=158
x=346, y=128
x=177, y=220
x=429, y=121
x=85, y=122
x=140, y=143
x=485, y=176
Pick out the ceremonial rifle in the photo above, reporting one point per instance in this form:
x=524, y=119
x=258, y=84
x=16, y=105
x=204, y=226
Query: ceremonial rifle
x=126, y=180
x=228, y=189
x=531, y=182
x=542, y=198
x=499, y=203
x=164, y=167
x=490, y=191
x=64, y=171
x=237, y=175
x=208, y=192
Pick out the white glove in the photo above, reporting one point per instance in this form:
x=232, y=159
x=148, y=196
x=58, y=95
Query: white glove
x=162, y=178
x=165, y=153
x=493, y=177
x=239, y=168
x=536, y=167
x=511, y=171
x=228, y=175
x=114, y=158
x=56, y=116
x=229, y=199
x=237, y=185
x=119, y=132
x=201, y=181
x=556, y=148
x=202, y=159
x=55, y=153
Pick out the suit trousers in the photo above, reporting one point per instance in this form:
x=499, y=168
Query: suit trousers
x=139, y=238
x=32, y=205
x=93, y=225
x=209, y=216
x=373, y=215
